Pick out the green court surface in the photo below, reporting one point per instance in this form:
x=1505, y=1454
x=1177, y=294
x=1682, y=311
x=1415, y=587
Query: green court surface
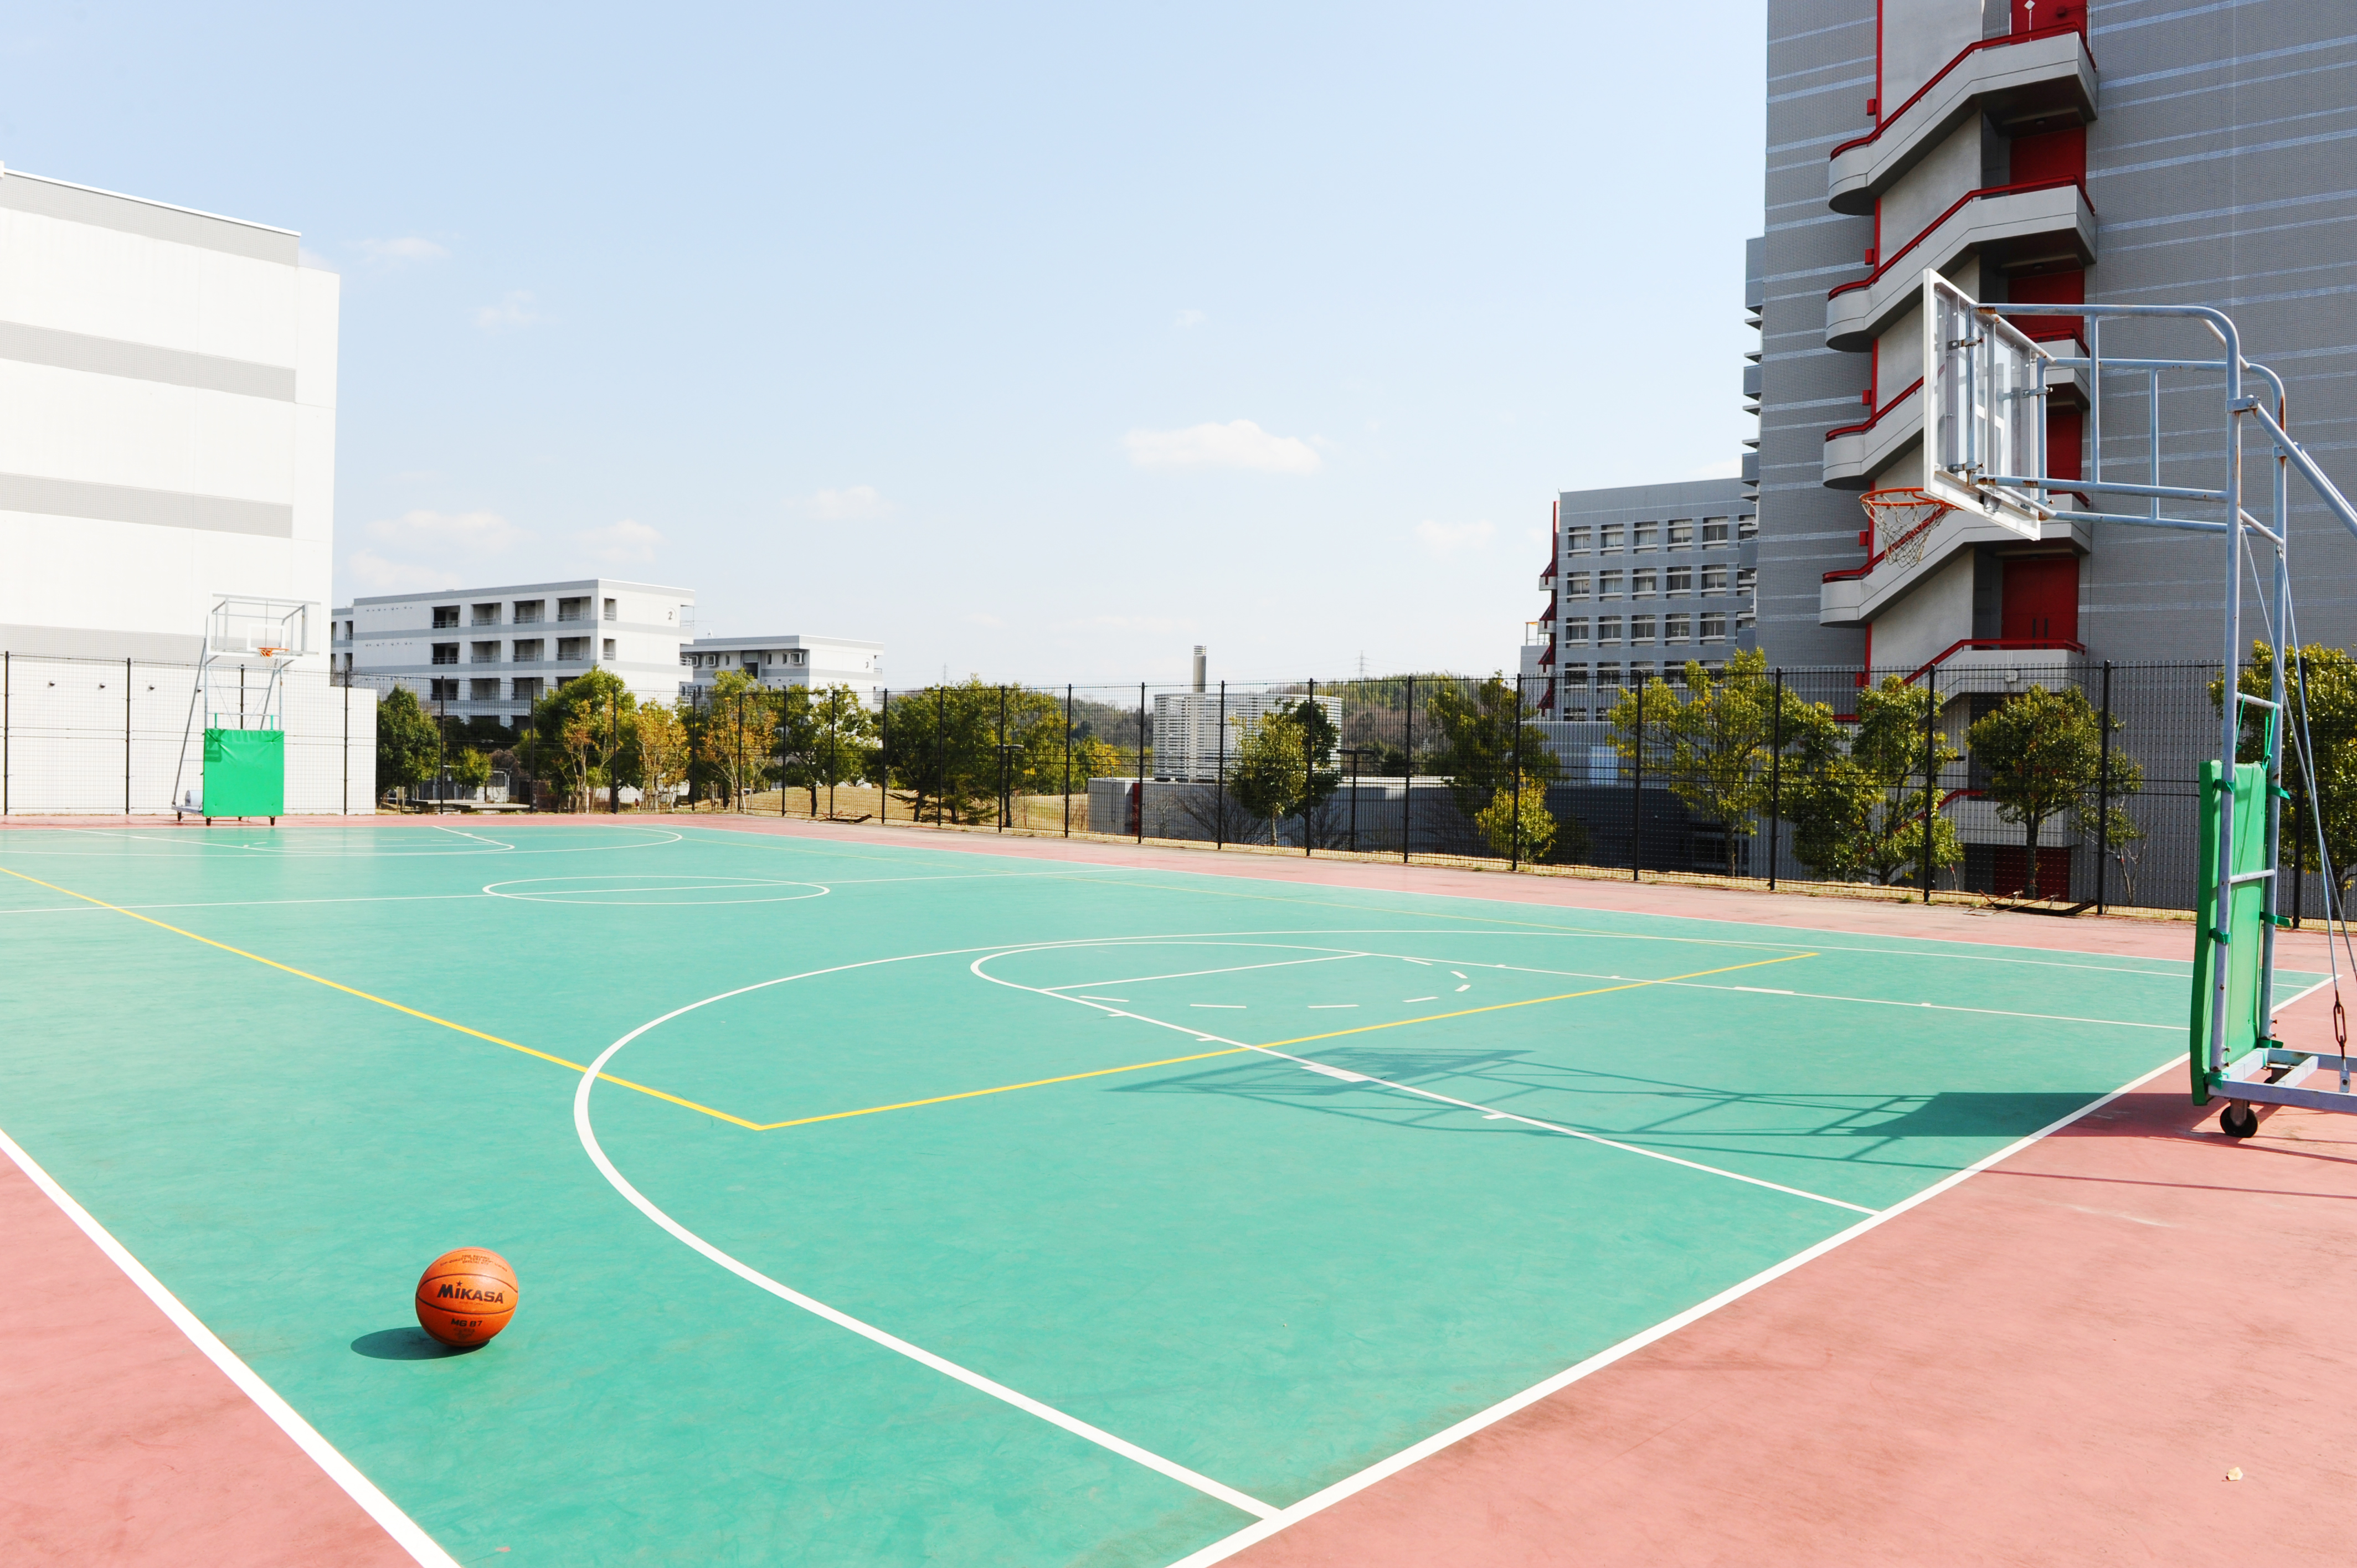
x=796, y=1290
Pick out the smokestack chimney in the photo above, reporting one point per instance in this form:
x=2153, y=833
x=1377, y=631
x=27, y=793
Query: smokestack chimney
x=1198, y=667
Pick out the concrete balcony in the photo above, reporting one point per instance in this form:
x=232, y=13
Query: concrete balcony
x=2007, y=225
x=2046, y=75
x=1986, y=665
x=1856, y=453
x=1854, y=597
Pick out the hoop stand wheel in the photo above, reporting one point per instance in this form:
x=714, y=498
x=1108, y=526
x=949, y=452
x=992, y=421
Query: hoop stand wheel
x=2239, y=1119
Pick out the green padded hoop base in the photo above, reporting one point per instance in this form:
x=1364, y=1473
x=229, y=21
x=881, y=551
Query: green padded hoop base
x=245, y=773
x=2244, y=1028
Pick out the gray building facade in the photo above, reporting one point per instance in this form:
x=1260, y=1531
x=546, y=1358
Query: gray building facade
x=1641, y=579
x=2126, y=151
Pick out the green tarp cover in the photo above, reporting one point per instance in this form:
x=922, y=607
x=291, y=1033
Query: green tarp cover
x=245, y=773
x=2244, y=1027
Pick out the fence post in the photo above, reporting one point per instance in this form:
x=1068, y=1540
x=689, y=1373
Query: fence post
x=126, y=737
x=1067, y=760
x=1141, y=762
x=1637, y=795
x=2103, y=796
x=1407, y=775
x=1220, y=813
x=1002, y=797
x=7, y=706
x=348, y=749
x=1308, y=760
x=941, y=746
x=1514, y=831
x=781, y=758
x=1775, y=775
x=883, y=759
x=1931, y=773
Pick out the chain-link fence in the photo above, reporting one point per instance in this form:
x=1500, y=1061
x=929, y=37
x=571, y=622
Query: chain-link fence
x=2022, y=774
x=82, y=737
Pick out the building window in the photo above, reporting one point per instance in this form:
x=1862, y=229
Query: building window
x=487, y=614
x=1641, y=628
x=1607, y=677
x=527, y=651
x=1714, y=628
x=1745, y=620
x=1574, y=541
x=687, y=658
x=1608, y=584
x=1747, y=528
x=610, y=648
x=445, y=653
x=1713, y=579
x=1608, y=632
x=442, y=690
x=799, y=654
x=1714, y=530
x=573, y=609
x=1648, y=536
x=482, y=691
x=572, y=649
x=609, y=610
x=1677, y=628
x=1575, y=676
x=527, y=688
x=1576, y=585
x=1612, y=535
x=1574, y=631
x=483, y=653
x=1681, y=534
x=1681, y=579
x=1746, y=578
x=527, y=611
x=446, y=615
x=1644, y=581
x=1640, y=673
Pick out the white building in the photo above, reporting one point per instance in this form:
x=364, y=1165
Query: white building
x=491, y=652
x=814, y=662
x=1189, y=740
x=167, y=422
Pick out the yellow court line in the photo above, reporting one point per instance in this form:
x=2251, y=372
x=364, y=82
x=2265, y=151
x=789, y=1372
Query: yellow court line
x=380, y=1000
x=1002, y=1089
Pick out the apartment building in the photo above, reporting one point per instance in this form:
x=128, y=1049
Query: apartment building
x=791, y=660
x=492, y=653
x=167, y=422
x=2123, y=151
x=1641, y=579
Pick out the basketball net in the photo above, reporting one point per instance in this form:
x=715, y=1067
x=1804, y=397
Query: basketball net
x=1902, y=520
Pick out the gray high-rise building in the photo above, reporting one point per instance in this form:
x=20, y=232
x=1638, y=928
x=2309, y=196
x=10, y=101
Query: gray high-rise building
x=2126, y=151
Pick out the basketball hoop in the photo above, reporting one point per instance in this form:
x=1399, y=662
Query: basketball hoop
x=1902, y=520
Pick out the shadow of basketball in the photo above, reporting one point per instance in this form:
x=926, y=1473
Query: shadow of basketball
x=407, y=1344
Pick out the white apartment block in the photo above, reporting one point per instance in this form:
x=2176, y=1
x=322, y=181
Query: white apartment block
x=492, y=653
x=817, y=662
x=1195, y=732
x=167, y=422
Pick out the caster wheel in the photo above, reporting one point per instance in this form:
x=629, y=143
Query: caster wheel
x=2239, y=1119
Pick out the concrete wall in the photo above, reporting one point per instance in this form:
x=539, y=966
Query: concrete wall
x=167, y=414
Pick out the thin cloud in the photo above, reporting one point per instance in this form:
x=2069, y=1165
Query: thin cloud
x=408, y=248
x=1239, y=443
x=846, y=505
x=370, y=573
x=474, y=532
x=628, y=543
x=1446, y=539
x=1190, y=319
x=514, y=311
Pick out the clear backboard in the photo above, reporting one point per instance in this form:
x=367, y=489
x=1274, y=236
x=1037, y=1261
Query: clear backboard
x=265, y=629
x=1984, y=411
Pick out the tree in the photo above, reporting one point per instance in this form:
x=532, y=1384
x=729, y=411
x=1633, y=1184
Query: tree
x=1516, y=822
x=471, y=768
x=1283, y=765
x=945, y=748
x=584, y=732
x=732, y=731
x=1713, y=744
x=844, y=746
x=2042, y=753
x=1859, y=801
x=663, y=754
x=2321, y=688
x=408, y=747
x=1478, y=737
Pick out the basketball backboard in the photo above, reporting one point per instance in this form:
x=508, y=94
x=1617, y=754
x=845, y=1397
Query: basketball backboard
x=1984, y=411
x=267, y=628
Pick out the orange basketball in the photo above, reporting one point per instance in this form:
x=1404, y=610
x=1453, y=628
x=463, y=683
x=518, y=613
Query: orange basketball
x=466, y=1297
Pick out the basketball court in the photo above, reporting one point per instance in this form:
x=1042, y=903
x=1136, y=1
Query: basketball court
x=877, y=1201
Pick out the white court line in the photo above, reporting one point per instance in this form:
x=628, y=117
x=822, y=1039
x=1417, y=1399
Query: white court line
x=249, y=903
x=1231, y=969
x=892, y=1342
x=341, y=1470
x=1489, y=1112
x=461, y=833
x=1317, y=1502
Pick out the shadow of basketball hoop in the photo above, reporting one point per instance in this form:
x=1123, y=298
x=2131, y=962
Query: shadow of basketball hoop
x=407, y=1344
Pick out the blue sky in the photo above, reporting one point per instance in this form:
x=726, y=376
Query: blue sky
x=1042, y=342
